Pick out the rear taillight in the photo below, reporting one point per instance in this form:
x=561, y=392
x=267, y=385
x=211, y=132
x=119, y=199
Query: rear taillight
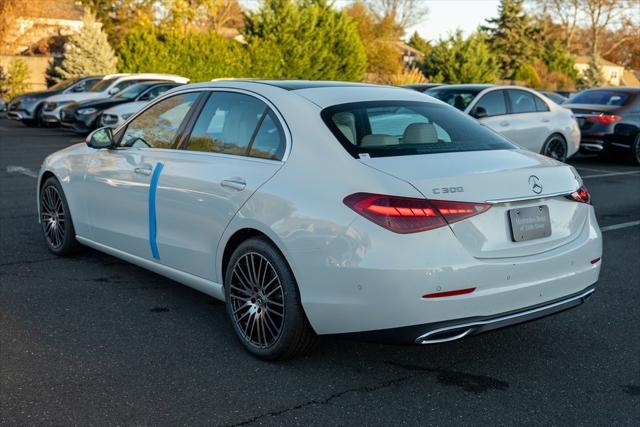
x=581, y=195
x=410, y=215
x=604, y=119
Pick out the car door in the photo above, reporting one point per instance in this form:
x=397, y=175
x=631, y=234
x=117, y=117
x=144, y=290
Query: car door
x=236, y=144
x=494, y=104
x=530, y=128
x=120, y=182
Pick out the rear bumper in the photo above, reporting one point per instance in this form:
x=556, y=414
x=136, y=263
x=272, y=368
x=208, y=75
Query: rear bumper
x=453, y=330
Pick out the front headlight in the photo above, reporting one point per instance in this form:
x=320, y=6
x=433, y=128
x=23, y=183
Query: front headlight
x=29, y=99
x=85, y=111
x=126, y=116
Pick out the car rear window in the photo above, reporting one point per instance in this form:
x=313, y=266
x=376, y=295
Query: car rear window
x=600, y=97
x=401, y=128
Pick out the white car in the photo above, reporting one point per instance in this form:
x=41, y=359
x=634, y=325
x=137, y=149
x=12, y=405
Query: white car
x=329, y=208
x=115, y=116
x=524, y=116
x=109, y=86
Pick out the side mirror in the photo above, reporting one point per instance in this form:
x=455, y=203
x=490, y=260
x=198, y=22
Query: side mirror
x=100, y=138
x=479, y=113
x=113, y=91
x=79, y=88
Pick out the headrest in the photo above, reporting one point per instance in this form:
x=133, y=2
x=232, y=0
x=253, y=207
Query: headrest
x=420, y=133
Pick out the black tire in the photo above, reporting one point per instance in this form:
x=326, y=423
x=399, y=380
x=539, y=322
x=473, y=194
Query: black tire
x=555, y=147
x=55, y=219
x=254, y=303
x=634, y=157
x=38, y=116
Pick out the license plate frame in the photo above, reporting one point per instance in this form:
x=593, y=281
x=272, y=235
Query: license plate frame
x=530, y=223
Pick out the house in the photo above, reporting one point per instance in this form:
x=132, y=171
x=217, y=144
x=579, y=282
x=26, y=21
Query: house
x=410, y=55
x=611, y=72
x=37, y=22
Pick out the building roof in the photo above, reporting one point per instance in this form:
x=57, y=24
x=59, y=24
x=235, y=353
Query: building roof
x=583, y=59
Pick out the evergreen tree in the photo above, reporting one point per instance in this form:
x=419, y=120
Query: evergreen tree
x=417, y=42
x=557, y=58
x=513, y=38
x=87, y=52
x=460, y=60
x=592, y=76
x=309, y=40
x=18, y=78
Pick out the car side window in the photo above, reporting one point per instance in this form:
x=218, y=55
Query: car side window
x=269, y=142
x=158, y=126
x=521, y=101
x=541, y=106
x=227, y=124
x=123, y=85
x=493, y=103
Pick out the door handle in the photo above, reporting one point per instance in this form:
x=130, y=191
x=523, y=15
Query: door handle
x=143, y=171
x=504, y=123
x=545, y=120
x=237, y=184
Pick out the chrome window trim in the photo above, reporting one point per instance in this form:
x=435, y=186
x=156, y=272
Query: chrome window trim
x=285, y=127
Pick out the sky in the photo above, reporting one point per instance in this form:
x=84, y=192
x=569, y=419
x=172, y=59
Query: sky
x=444, y=16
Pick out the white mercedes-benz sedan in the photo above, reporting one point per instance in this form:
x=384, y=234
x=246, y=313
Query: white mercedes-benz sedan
x=317, y=208
x=524, y=116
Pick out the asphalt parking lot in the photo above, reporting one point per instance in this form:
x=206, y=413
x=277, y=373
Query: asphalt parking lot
x=93, y=340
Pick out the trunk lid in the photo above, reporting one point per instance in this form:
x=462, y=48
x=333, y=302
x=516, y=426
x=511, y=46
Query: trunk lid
x=504, y=179
x=584, y=110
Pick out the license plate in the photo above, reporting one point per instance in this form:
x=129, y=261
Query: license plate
x=580, y=122
x=530, y=223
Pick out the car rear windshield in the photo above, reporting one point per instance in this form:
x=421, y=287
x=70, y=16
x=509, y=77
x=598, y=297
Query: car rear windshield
x=459, y=98
x=402, y=128
x=601, y=97
x=132, y=91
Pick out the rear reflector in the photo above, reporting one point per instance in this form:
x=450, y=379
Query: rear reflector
x=581, y=195
x=449, y=293
x=410, y=215
x=594, y=261
x=604, y=119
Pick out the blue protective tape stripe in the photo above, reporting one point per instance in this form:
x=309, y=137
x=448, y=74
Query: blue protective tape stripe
x=153, y=188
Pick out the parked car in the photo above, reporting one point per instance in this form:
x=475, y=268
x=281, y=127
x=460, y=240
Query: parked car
x=109, y=86
x=84, y=116
x=520, y=114
x=555, y=97
x=3, y=106
x=609, y=120
x=27, y=108
x=329, y=208
x=113, y=117
x=421, y=87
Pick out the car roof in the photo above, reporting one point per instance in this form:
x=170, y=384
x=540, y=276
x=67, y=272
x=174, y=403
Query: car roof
x=469, y=86
x=320, y=93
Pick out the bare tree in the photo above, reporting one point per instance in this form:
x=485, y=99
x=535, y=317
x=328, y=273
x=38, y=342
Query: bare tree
x=407, y=13
x=565, y=11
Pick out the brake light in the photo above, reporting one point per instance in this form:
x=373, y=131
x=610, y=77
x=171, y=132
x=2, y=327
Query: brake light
x=581, y=195
x=604, y=119
x=410, y=215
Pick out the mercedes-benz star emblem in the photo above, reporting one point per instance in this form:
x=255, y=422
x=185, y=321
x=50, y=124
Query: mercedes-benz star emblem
x=535, y=184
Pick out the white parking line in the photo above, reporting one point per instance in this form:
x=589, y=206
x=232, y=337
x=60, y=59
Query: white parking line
x=602, y=175
x=22, y=170
x=580, y=168
x=619, y=226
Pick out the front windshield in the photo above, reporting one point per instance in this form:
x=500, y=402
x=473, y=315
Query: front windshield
x=459, y=98
x=132, y=92
x=402, y=128
x=63, y=84
x=102, y=85
x=601, y=97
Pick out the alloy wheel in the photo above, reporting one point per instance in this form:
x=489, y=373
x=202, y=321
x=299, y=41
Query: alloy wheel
x=53, y=216
x=556, y=149
x=257, y=300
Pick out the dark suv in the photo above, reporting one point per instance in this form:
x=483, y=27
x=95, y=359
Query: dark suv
x=609, y=120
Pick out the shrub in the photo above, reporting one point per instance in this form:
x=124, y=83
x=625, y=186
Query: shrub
x=18, y=75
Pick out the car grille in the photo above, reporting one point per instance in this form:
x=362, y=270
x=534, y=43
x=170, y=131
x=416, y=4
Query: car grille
x=109, y=119
x=50, y=106
x=67, y=116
